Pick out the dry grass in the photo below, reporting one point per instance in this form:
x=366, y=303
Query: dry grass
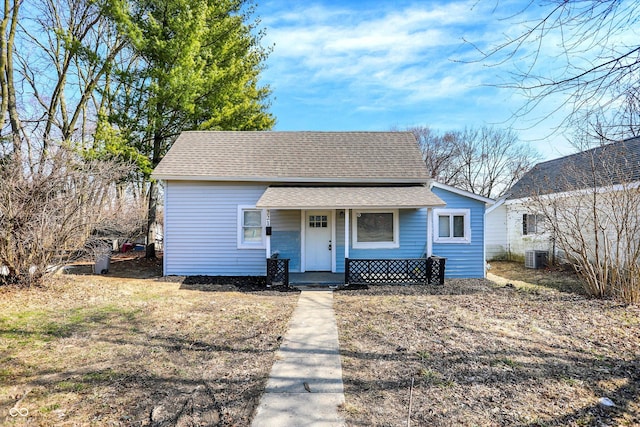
x=482, y=354
x=106, y=350
x=560, y=278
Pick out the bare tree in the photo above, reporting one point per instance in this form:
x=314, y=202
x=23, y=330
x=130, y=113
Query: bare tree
x=50, y=216
x=491, y=160
x=594, y=49
x=68, y=48
x=9, y=105
x=439, y=152
x=485, y=161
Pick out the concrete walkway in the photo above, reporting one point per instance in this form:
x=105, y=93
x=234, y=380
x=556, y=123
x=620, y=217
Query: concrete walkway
x=305, y=384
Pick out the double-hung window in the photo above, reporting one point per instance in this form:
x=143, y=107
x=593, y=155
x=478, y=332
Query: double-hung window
x=452, y=226
x=251, y=228
x=378, y=229
x=532, y=224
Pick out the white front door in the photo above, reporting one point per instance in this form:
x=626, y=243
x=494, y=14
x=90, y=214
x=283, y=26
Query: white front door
x=318, y=244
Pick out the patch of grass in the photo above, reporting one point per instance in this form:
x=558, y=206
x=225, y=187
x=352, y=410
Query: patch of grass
x=70, y=386
x=429, y=375
x=423, y=355
x=100, y=376
x=435, y=378
x=630, y=319
x=104, y=348
x=561, y=279
x=49, y=408
x=505, y=361
x=350, y=409
x=573, y=382
x=45, y=325
x=5, y=374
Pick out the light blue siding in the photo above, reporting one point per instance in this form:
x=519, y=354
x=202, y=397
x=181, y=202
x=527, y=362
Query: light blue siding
x=413, y=238
x=286, y=237
x=201, y=229
x=464, y=260
x=201, y=233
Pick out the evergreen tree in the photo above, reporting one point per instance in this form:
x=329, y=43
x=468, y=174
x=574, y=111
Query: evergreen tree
x=195, y=65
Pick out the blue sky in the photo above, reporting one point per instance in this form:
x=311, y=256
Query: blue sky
x=374, y=65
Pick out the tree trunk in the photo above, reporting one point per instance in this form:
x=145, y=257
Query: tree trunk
x=10, y=104
x=151, y=219
x=153, y=198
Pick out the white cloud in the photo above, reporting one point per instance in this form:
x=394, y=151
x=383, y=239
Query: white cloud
x=389, y=63
x=372, y=48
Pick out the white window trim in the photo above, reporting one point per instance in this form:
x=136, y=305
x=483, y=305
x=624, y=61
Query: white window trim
x=263, y=222
x=539, y=225
x=451, y=213
x=375, y=245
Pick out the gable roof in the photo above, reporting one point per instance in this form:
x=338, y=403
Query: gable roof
x=611, y=164
x=461, y=192
x=346, y=157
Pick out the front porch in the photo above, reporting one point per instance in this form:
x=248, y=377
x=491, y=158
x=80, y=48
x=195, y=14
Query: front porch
x=318, y=228
x=417, y=271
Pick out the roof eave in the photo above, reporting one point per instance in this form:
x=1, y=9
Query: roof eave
x=356, y=207
x=461, y=192
x=275, y=179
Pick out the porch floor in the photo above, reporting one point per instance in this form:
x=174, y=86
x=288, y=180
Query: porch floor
x=316, y=278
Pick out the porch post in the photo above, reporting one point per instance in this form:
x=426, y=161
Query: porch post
x=267, y=243
x=346, y=233
x=429, y=232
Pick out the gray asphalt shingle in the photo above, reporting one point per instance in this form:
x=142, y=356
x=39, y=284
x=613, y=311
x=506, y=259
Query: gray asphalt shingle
x=348, y=197
x=353, y=157
x=611, y=164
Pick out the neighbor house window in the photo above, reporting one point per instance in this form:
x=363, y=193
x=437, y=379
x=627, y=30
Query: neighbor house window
x=376, y=229
x=532, y=224
x=452, y=226
x=251, y=230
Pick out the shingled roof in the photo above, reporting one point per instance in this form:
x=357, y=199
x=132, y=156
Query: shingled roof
x=305, y=157
x=611, y=164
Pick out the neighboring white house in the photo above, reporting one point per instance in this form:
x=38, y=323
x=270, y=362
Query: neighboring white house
x=515, y=224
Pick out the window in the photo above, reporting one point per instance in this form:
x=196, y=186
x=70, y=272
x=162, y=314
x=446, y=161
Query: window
x=532, y=224
x=452, y=226
x=376, y=229
x=251, y=230
x=317, y=221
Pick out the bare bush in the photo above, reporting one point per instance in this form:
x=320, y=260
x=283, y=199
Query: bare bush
x=54, y=214
x=594, y=218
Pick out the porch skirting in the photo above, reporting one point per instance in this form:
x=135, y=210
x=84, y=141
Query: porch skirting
x=414, y=271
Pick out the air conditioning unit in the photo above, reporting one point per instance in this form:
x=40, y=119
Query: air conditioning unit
x=536, y=259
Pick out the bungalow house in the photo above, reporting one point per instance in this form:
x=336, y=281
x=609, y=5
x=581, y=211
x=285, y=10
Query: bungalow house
x=516, y=225
x=233, y=199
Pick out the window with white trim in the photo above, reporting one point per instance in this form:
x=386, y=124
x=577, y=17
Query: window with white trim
x=379, y=229
x=532, y=224
x=452, y=225
x=251, y=228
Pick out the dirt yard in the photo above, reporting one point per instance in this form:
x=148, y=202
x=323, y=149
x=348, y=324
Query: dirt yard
x=530, y=351
x=129, y=349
